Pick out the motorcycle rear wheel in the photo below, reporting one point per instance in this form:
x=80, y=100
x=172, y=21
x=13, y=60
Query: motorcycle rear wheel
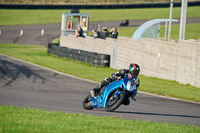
x=119, y=101
x=87, y=102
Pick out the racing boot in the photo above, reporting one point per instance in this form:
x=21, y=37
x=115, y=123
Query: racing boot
x=95, y=91
x=103, y=83
x=92, y=93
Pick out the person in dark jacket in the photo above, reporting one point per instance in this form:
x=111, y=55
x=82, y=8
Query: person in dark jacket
x=133, y=69
x=114, y=33
x=104, y=33
x=79, y=32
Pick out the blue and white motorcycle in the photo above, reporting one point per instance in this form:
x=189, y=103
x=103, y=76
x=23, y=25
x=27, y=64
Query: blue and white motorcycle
x=114, y=94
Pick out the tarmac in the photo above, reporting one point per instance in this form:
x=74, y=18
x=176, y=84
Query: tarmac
x=32, y=33
x=25, y=84
x=28, y=85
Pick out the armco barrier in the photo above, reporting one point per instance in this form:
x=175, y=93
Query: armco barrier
x=108, y=6
x=95, y=58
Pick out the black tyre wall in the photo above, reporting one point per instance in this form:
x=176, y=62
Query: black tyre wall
x=49, y=48
x=96, y=59
x=104, y=6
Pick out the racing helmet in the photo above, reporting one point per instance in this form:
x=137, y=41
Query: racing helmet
x=134, y=69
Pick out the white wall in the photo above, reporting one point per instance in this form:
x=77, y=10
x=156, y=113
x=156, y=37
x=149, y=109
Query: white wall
x=167, y=60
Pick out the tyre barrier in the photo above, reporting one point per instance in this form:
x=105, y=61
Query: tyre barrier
x=96, y=59
x=106, y=6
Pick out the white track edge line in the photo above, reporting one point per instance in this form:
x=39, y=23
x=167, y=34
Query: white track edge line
x=151, y=94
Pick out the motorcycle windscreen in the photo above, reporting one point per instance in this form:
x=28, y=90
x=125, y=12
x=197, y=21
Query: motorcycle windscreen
x=131, y=87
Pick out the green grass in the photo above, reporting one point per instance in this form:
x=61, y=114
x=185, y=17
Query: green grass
x=25, y=120
x=38, y=54
x=169, y=88
x=136, y=14
x=57, y=40
x=21, y=17
x=127, y=32
x=192, y=31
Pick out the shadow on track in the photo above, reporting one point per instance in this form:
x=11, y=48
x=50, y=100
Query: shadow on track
x=10, y=72
x=157, y=114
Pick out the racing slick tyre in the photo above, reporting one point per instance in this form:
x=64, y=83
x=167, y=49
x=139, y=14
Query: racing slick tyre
x=87, y=102
x=113, y=103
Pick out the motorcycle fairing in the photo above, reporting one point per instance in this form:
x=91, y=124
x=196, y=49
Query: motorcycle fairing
x=101, y=100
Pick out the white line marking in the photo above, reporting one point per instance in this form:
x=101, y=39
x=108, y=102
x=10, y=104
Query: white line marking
x=94, y=81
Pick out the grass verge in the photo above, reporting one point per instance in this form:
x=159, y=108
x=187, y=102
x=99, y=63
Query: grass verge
x=23, y=120
x=192, y=31
x=21, y=17
x=38, y=54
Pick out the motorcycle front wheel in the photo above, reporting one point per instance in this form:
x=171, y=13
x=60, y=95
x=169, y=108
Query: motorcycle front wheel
x=113, y=103
x=87, y=102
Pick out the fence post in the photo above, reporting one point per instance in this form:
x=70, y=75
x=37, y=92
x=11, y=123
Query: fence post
x=166, y=23
x=114, y=57
x=63, y=24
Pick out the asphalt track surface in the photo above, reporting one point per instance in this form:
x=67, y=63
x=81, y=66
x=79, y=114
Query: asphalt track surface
x=32, y=33
x=28, y=85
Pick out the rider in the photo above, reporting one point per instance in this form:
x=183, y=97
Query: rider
x=133, y=69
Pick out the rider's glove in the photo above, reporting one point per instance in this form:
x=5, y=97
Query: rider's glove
x=122, y=71
x=108, y=79
x=114, y=75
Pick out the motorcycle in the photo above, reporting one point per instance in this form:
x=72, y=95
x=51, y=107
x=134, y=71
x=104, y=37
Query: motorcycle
x=114, y=94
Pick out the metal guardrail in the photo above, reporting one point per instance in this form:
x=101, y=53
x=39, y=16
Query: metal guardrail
x=96, y=59
x=109, y=6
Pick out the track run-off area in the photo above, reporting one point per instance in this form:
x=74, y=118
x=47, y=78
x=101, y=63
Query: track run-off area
x=28, y=85
x=32, y=33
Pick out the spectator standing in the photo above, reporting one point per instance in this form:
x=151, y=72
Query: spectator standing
x=104, y=33
x=94, y=32
x=114, y=33
x=79, y=32
x=69, y=24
